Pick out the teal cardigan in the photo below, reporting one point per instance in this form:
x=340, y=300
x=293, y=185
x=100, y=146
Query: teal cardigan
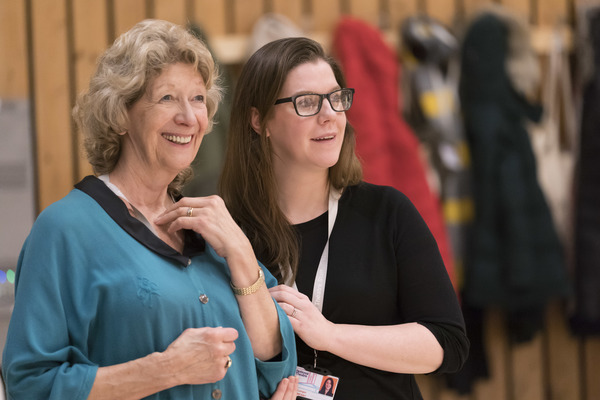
x=93, y=290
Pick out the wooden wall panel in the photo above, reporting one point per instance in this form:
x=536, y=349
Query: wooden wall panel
x=52, y=102
x=366, y=10
x=527, y=369
x=171, y=10
x=442, y=11
x=292, y=9
x=127, y=13
x=496, y=386
x=473, y=6
x=518, y=7
x=591, y=355
x=90, y=39
x=13, y=62
x=427, y=385
x=399, y=10
x=551, y=12
x=211, y=16
x=325, y=15
x=564, y=370
x=246, y=13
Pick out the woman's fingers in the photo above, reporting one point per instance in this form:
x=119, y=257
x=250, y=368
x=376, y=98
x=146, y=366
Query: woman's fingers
x=287, y=294
x=209, y=217
x=287, y=389
x=201, y=355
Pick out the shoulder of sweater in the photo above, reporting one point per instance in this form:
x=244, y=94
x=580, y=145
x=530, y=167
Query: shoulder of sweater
x=375, y=193
x=71, y=210
x=372, y=199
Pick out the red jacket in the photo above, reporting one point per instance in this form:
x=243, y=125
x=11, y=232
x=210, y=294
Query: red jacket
x=386, y=145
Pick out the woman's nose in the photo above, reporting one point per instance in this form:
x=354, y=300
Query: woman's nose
x=326, y=109
x=185, y=114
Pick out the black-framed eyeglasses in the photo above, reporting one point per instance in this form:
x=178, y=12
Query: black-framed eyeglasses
x=309, y=104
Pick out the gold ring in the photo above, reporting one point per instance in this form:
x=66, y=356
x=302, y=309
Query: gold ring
x=294, y=313
x=228, y=363
x=190, y=211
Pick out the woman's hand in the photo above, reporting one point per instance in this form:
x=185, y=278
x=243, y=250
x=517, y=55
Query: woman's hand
x=287, y=389
x=307, y=321
x=200, y=355
x=209, y=217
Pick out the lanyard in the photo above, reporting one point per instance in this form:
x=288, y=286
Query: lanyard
x=321, y=275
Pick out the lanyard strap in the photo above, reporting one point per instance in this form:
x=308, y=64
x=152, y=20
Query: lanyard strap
x=321, y=276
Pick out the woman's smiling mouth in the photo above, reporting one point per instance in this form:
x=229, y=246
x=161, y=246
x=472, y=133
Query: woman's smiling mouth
x=178, y=139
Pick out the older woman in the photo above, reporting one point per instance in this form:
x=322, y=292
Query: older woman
x=125, y=289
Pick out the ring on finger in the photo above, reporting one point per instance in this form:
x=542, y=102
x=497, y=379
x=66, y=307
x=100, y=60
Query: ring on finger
x=294, y=313
x=228, y=363
x=190, y=211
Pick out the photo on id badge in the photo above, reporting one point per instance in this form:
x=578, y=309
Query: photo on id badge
x=315, y=386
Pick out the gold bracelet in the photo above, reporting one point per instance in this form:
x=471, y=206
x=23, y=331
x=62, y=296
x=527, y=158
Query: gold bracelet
x=252, y=288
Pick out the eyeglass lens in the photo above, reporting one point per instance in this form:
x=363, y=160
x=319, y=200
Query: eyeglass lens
x=310, y=104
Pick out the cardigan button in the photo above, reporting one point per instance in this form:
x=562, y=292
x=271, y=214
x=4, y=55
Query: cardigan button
x=189, y=262
x=216, y=394
x=203, y=298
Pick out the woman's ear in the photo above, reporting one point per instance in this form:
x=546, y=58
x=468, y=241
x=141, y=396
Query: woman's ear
x=255, y=121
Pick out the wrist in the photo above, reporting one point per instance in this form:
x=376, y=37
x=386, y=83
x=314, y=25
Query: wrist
x=165, y=366
x=253, y=288
x=330, y=337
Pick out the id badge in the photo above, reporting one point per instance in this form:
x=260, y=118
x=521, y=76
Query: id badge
x=315, y=384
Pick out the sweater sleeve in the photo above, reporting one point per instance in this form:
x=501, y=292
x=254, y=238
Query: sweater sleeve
x=426, y=295
x=40, y=359
x=271, y=372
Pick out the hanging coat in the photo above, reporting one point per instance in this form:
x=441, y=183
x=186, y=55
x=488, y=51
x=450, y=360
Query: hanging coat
x=387, y=147
x=517, y=262
x=586, y=314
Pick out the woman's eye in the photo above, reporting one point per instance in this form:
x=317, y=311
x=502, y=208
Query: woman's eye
x=307, y=101
x=199, y=98
x=166, y=97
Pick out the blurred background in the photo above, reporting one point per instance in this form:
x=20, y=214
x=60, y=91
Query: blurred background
x=533, y=337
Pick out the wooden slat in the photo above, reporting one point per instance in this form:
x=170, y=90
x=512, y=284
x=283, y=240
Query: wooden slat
x=292, y=9
x=451, y=395
x=171, y=10
x=90, y=40
x=592, y=361
x=551, y=12
x=211, y=16
x=471, y=7
x=245, y=14
x=427, y=385
x=441, y=11
x=51, y=90
x=518, y=7
x=127, y=14
x=399, y=10
x=562, y=355
x=365, y=10
x=325, y=15
x=13, y=64
x=528, y=370
x=496, y=348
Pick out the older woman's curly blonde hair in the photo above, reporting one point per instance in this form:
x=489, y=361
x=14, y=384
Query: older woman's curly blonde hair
x=122, y=76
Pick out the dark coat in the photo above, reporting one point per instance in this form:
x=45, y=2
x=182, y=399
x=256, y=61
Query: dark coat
x=517, y=262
